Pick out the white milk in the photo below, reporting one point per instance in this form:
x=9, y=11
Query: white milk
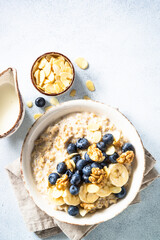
x=9, y=107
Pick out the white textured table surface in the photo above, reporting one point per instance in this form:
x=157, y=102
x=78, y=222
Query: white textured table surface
x=121, y=41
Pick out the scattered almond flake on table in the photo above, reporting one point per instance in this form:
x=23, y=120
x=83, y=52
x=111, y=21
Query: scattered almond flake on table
x=54, y=101
x=47, y=108
x=81, y=62
x=72, y=93
x=90, y=85
x=29, y=104
x=86, y=97
x=37, y=115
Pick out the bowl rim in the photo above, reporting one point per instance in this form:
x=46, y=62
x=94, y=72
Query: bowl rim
x=43, y=55
x=61, y=104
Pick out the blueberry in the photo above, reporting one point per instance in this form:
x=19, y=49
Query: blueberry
x=122, y=194
x=106, y=156
x=73, y=210
x=104, y=163
x=128, y=147
x=61, y=167
x=71, y=148
x=53, y=178
x=40, y=102
x=69, y=173
x=80, y=164
x=101, y=146
x=87, y=158
x=76, y=158
x=79, y=172
x=85, y=179
x=87, y=170
x=82, y=143
x=96, y=165
x=108, y=139
x=75, y=179
x=74, y=190
x=113, y=157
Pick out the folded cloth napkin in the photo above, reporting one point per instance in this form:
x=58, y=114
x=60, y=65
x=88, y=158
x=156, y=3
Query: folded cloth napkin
x=45, y=226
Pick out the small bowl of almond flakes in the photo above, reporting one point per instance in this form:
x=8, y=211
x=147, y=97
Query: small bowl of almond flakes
x=52, y=74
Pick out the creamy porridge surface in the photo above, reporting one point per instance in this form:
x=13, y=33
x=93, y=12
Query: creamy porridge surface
x=101, y=186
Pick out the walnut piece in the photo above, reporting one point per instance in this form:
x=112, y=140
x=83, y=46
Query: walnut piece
x=70, y=164
x=62, y=182
x=126, y=157
x=98, y=176
x=87, y=206
x=95, y=154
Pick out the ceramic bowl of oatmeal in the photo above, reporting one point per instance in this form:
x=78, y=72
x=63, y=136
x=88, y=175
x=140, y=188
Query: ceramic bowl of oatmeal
x=52, y=74
x=82, y=162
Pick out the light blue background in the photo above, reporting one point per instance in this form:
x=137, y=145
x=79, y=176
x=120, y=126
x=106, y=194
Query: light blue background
x=121, y=41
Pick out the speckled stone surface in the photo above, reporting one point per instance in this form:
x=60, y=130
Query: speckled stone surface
x=121, y=41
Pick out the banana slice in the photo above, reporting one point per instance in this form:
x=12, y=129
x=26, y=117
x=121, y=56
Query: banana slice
x=58, y=201
x=57, y=193
x=104, y=192
x=118, y=174
x=115, y=189
x=85, y=196
x=92, y=188
x=71, y=199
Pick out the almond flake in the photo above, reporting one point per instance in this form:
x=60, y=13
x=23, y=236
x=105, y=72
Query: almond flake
x=54, y=101
x=110, y=150
x=73, y=93
x=81, y=62
x=42, y=77
x=47, y=108
x=86, y=97
x=37, y=115
x=42, y=63
x=90, y=85
x=47, y=69
x=37, y=76
x=29, y=104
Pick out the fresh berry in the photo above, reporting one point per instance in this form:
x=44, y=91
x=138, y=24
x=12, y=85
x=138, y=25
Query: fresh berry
x=40, y=102
x=104, y=163
x=106, y=156
x=74, y=190
x=87, y=170
x=79, y=172
x=75, y=179
x=122, y=194
x=87, y=158
x=85, y=179
x=113, y=157
x=82, y=143
x=61, y=167
x=101, y=146
x=73, y=210
x=96, y=165
x=76, y=158
x=53, y=178
x=71, y=148
x=80, y=164
x=69, y=173
x=108, y=138
x=128, y=147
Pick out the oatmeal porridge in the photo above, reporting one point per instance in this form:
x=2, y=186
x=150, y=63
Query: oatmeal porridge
x=82, y=163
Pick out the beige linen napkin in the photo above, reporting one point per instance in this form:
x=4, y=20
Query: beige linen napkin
x=45, y=226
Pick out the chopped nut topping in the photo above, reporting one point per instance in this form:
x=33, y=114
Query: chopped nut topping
x=126, y=157
x=70, y=164
x=95, y=154
x=62, y=182
x=98, y=176
x=87, y=206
